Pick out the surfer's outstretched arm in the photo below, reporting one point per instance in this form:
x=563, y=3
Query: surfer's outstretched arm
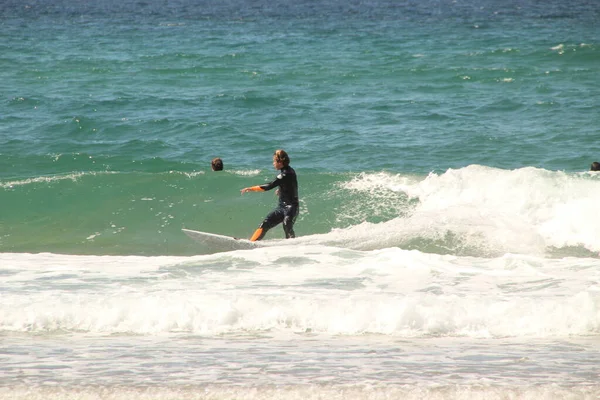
x=253, y=189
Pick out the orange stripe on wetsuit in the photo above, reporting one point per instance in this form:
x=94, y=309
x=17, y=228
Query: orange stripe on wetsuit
x=257, y=234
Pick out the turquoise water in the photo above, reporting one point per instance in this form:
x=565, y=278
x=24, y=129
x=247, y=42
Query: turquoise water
x=106, y=104
x=448, y=236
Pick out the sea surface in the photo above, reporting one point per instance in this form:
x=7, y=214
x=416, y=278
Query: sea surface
x=448, y=238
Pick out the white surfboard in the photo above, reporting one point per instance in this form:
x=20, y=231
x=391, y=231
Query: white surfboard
x=218, y=243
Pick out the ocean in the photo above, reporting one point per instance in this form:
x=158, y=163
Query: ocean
x=448, y=241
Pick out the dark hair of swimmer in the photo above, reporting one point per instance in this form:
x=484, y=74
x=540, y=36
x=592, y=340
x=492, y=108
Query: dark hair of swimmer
x=216, y=164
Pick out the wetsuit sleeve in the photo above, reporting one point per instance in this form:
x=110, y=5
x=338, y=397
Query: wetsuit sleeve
x=271, y=185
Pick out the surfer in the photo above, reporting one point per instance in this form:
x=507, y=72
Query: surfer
x=595, y=166
x=216, y=164
x=287, y=209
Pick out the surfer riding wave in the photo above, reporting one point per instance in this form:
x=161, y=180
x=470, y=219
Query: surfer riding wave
x=287, y=209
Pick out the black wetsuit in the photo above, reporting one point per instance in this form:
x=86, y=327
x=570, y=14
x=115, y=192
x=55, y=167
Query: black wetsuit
x=287, y=210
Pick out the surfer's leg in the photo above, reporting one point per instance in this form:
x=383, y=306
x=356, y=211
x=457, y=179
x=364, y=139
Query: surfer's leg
x=289, y=219
x=275, y=217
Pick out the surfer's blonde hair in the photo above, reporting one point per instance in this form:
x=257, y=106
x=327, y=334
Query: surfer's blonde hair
x=282, y=157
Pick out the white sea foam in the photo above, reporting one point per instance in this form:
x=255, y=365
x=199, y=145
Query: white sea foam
x=520, y=211
x=479, y=391
x=75, y=176
x=292, y=289
x=45, y=179
x=250, y=172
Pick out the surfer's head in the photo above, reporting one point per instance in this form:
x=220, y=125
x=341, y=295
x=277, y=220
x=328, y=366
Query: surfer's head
x=216, y=164
x=595, y=166
x=281, y=157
